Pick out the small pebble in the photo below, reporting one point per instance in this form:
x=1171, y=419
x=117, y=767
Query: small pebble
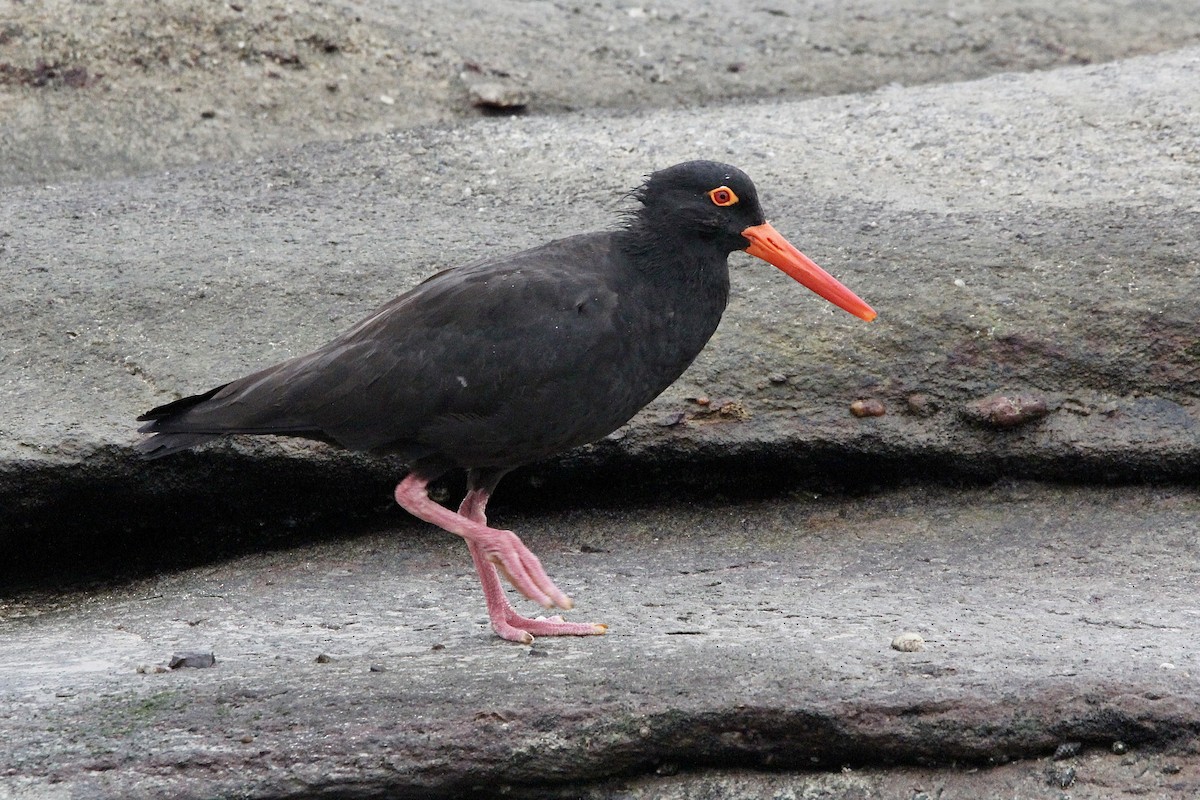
x=324, y=658
x=922, y=405
x=1062, y=778
x=734, y=410
x=537, y=653
x=1067, y=750
x=247, y=739
x=438, y=646
x=1171, y=769
x=496, y=96
x=1120, y=748
x=908, y=642
x=777, y=377
x=869, y=407
x=378, y=668
x=1003, y=412
x=192, y=660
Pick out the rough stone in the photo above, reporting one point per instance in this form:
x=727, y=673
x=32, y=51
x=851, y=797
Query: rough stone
x=743, y=633
x=112, y=88
x=1021, y=235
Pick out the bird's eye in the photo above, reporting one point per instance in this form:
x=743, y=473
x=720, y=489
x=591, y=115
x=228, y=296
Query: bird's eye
x=722, y=196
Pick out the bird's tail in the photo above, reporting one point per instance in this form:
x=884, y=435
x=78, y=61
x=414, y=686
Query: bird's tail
x=162, y=441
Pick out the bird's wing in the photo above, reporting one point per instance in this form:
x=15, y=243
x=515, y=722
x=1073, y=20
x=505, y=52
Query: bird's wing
x=460, y=345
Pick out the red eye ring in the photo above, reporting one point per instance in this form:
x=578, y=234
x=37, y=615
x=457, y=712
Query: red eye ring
x=723, y=196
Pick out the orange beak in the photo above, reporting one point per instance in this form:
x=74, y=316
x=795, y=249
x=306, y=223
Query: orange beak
x=769, y=245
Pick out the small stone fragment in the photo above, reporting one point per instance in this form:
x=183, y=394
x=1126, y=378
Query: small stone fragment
x=192, y=660
x=733, y=409
x=438, y=646
x=908, y=642
x=151, y=669
x=1062, y=778
x=1003, y=412
x=1067, y=750
x=922, y=405
x=378, y=668
x=777, y=377
x=247, y=739
x=1171, y=769
x=495, y=96
x=324, y=658
x=671, y=420
x=1120, y=748
x=869, y=407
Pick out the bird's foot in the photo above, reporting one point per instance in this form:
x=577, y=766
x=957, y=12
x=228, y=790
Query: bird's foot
x=511, y=557
x=515, y=628
x=518, y=565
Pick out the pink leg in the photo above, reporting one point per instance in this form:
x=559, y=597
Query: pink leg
x=493, y=549
x=506, y=622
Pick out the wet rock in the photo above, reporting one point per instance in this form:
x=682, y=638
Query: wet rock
x=1006, y=411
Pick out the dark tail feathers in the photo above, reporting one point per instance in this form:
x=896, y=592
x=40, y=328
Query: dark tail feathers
x=169, y=410
x=164, y=444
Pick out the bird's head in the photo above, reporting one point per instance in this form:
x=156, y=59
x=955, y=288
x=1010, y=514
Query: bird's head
x=717, y=204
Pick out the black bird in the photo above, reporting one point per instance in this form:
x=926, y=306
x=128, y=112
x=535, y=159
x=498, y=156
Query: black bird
x=506, y=361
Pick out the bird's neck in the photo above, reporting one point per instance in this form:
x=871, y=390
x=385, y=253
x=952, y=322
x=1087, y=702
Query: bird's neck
x=676, y=260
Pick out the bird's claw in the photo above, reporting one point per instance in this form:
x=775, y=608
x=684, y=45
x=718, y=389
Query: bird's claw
x=516, y=628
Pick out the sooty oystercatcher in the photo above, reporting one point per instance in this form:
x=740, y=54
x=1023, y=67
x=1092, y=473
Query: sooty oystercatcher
x=506, y=361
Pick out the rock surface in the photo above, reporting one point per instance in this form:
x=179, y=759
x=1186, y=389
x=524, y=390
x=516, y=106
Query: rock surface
x=751, y=634
x=1031, y=242
x=113, y=88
